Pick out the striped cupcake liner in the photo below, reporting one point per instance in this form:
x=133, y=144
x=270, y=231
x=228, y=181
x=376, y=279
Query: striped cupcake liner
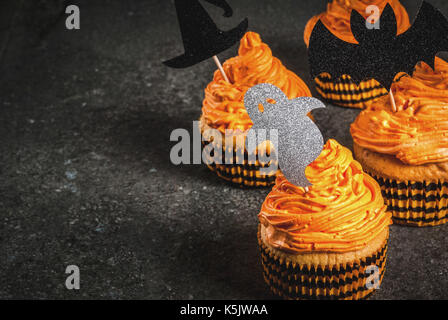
x=419, y=204
x=344, y=92
x=240, y=172
x=337, y=282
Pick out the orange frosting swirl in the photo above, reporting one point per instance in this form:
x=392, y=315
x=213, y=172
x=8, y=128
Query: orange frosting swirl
x=223, y=106
x=342, y=211
x=418, y=132
x=337, y=17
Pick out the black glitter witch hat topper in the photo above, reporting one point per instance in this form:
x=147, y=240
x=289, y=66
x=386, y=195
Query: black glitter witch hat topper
x=201, y=37
x=381, y=54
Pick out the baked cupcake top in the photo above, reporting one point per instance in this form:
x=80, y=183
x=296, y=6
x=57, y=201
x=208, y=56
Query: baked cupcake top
x=223, y=106
x=418, y=132
x=342, y=211
x=337, y=17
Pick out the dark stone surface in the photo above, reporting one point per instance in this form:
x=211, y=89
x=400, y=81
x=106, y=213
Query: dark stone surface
x=85, y=174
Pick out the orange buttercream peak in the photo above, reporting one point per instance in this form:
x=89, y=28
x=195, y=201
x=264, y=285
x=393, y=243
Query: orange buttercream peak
x=337, y=17
x=223, y=106
x=342, y=211
x=417, y=133
x=250, y=40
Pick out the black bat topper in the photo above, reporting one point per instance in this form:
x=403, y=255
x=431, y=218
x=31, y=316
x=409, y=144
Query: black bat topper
x=381, y=54
x=201, y=37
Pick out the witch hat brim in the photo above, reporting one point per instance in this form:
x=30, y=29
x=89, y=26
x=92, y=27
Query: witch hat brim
x=221, y=42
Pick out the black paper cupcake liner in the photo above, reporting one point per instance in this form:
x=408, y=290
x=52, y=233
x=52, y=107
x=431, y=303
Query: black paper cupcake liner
x=337, y=282
x=241, y=172
x=344, y=92
x=419, y=204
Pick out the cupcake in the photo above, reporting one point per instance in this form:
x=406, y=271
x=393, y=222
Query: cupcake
x=407, y=150
x=325, y=243
x=223, y=108
x=344, y=92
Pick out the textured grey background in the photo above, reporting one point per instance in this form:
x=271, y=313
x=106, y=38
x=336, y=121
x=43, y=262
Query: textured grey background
x=85, y=174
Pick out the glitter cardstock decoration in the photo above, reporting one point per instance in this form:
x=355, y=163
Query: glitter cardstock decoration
x=201, y=37
x=380, y=54
x=300, y=141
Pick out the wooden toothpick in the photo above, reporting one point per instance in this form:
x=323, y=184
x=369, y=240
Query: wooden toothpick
x=218, y=64
x=392, y=101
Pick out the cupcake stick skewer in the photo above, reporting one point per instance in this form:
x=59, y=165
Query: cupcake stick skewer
x=219, y=65
x=392, y=101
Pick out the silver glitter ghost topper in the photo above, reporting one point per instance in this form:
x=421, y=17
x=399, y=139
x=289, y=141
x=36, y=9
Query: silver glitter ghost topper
x=300, y=141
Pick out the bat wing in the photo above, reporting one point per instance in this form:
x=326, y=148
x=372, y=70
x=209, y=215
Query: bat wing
x=328, y=53
x=427, y=36
x=381, y=54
